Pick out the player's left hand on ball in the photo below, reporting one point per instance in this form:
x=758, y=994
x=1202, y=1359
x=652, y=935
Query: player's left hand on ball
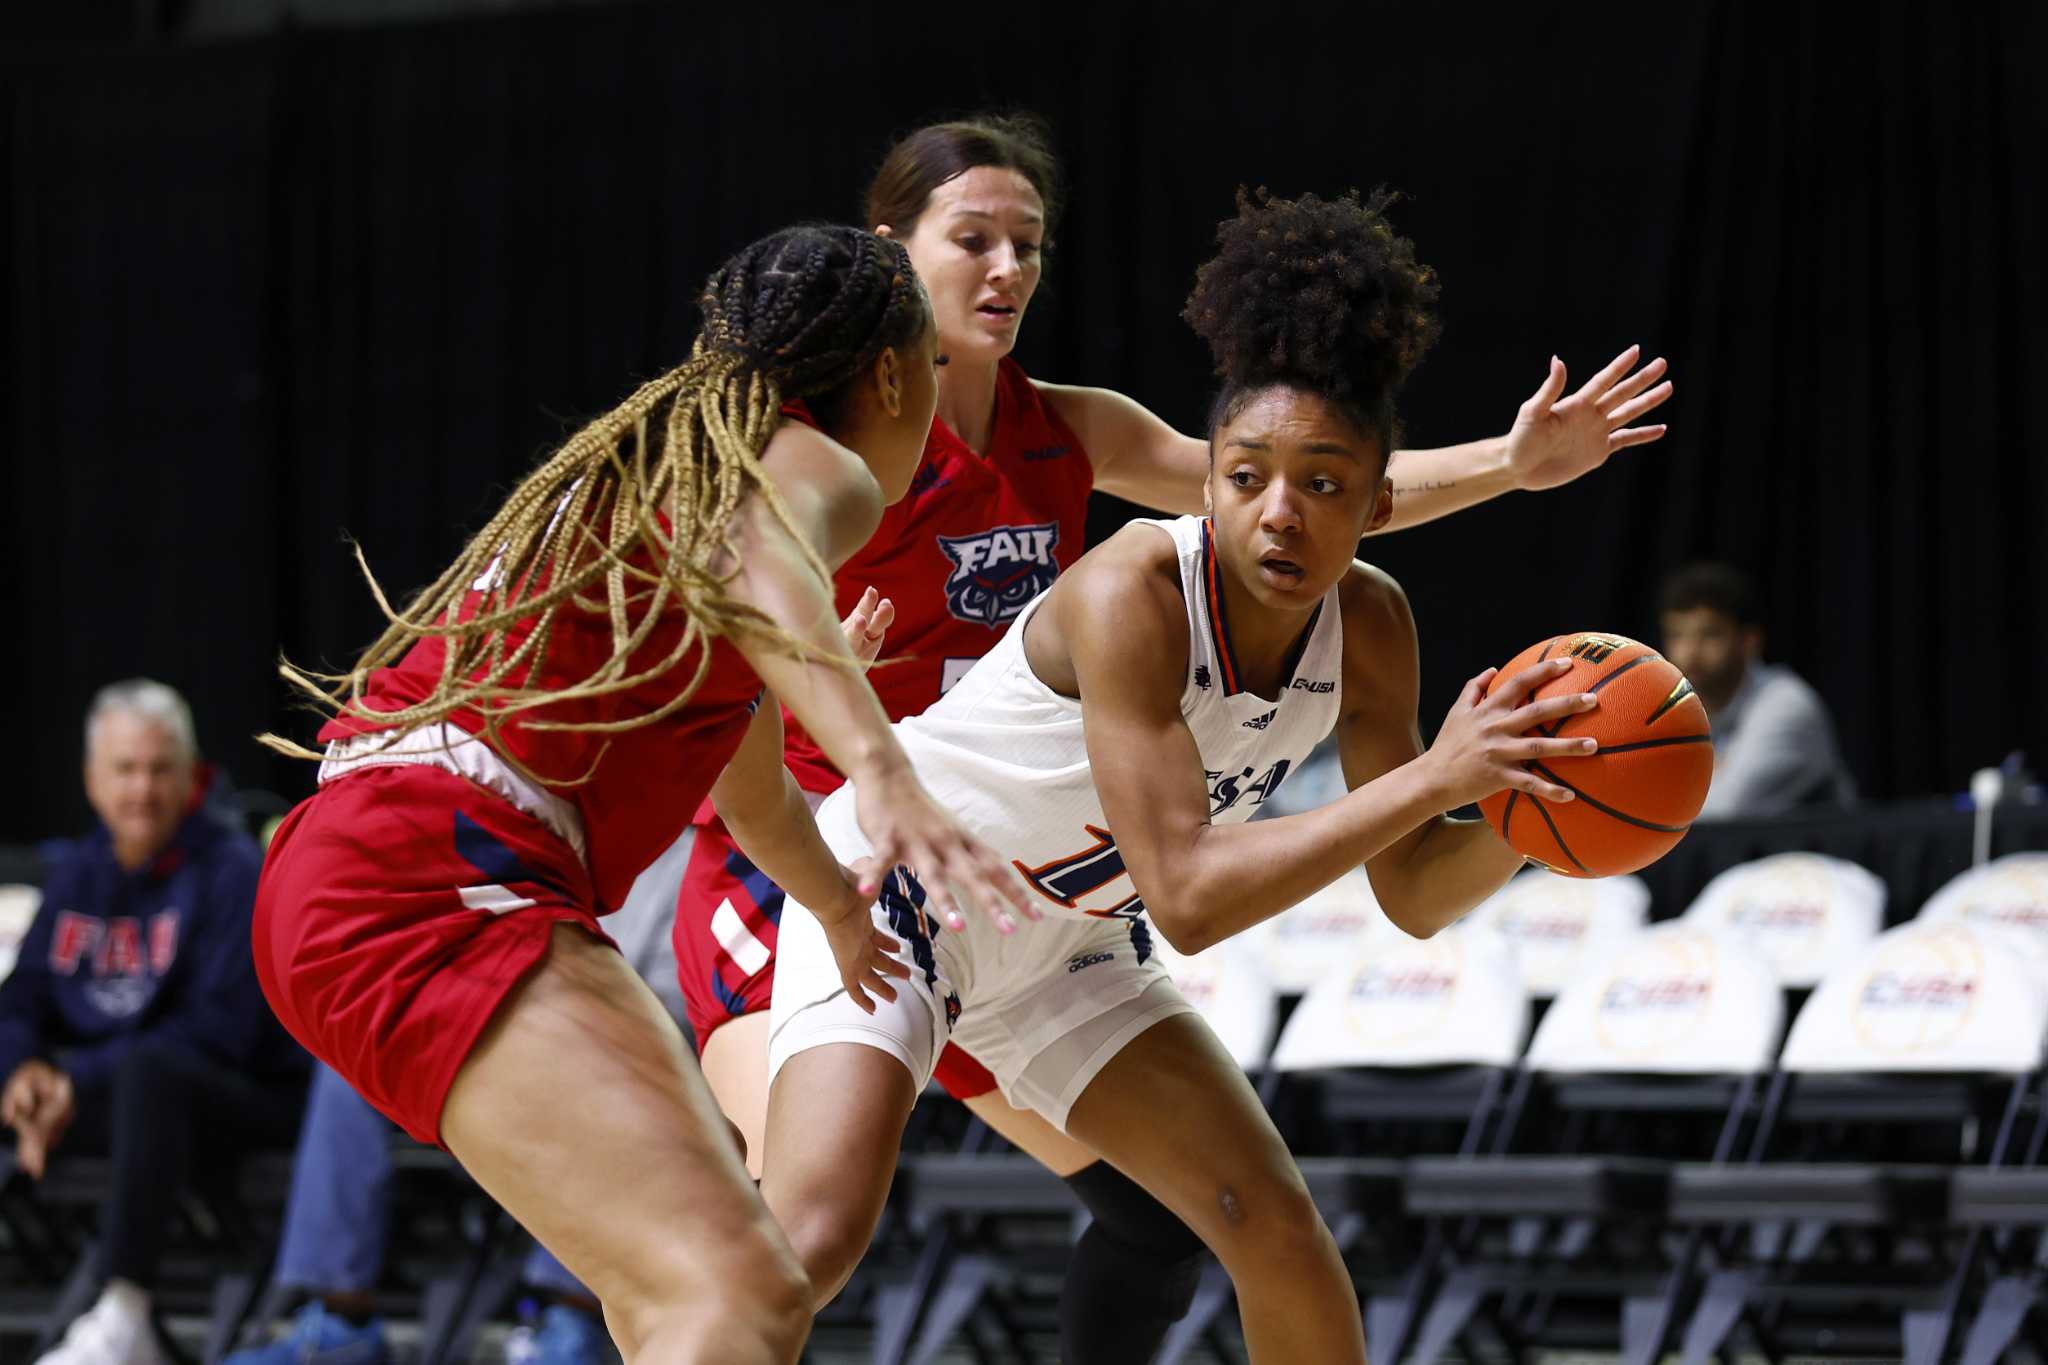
x=867, y=624
x=1555, y=439
x=863, y=952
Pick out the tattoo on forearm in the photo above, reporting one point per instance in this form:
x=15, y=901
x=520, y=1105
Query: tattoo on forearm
x=1425, y=486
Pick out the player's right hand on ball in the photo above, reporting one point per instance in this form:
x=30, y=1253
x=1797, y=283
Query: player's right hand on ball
x=959, y=873
x=1487, y=741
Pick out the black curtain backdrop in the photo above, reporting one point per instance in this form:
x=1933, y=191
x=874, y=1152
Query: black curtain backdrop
x=270, y=292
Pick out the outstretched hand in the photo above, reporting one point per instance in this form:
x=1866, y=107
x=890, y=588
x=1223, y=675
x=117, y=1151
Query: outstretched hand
x=1556, y=439
x=959, y=872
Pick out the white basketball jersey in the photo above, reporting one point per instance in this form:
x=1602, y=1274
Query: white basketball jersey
x=1006, y=754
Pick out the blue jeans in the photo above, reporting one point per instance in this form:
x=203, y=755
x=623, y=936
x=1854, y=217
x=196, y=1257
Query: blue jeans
x=340, y=1209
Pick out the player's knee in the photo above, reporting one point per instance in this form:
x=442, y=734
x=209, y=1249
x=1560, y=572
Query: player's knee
x=724, y=1333
x=829, y=1240
x=756, y=1307
x=1269, y=1224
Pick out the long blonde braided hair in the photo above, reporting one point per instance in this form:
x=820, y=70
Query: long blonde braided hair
x=631, y=518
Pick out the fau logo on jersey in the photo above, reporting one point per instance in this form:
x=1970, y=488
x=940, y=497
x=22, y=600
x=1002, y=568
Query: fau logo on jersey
x=997, y=572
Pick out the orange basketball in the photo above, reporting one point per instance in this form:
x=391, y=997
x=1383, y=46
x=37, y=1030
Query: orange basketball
x=1636, y=797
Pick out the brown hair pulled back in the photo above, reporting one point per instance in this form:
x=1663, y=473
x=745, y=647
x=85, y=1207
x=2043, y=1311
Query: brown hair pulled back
x=927, y=158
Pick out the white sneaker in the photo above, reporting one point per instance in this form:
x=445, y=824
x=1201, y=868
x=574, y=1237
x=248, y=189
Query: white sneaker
x=114, y=1331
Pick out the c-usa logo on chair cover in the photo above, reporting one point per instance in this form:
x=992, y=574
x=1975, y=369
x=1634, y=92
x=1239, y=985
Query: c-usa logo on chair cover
x=997, y=572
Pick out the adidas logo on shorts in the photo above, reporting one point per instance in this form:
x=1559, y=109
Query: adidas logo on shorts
x=1087, y=960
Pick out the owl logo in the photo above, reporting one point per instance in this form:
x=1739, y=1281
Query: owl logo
x=997, y=572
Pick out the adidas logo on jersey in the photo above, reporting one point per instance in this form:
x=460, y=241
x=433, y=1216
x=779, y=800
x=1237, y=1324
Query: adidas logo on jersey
x=1202, y=676
x=997, y=572
x=1046, y=453
x=1088, y=960
x=1261, y=722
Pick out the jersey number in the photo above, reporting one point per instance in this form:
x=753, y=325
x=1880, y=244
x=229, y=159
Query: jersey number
x=1064, y=881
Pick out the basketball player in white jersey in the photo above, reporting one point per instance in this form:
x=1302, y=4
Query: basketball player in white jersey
x=1112, y=745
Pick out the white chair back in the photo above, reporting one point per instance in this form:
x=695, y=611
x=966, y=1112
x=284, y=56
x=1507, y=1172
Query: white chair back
x=1400, y=1002
x=1804, y=913
x=1559, y=927
x=2011, y=892
x=1297, y=946
x=1953, y=995
x=18, y=905
x=1676, y=999
x=1226, y=986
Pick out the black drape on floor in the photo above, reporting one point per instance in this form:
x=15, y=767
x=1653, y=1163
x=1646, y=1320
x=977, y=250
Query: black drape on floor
x=269, y=292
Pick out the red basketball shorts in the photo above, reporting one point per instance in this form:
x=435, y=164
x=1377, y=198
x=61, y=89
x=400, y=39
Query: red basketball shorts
x=399, y=907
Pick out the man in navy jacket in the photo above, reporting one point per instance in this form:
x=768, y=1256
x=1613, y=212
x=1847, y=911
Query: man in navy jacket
x=132, y=1025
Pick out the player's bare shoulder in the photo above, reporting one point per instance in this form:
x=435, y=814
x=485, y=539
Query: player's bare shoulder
x=1380, y=652
x=1121, y=601
x=831, y=493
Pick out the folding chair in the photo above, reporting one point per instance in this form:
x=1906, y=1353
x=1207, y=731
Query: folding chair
x=1560, y=927
x=18, y=906
x=1920, y=1050
x=1296, y=947
x=1408, y=1046
x=1228, y=987
x=1803, y=913
x=1653, y=1057
x=2011, y=891
x=2008, y=1206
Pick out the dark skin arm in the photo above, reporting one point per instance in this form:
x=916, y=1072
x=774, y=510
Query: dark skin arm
x=1114, y=633
x=1431, y=876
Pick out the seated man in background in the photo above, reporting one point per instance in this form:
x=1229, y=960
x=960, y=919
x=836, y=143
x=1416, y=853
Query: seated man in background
x=132, y=1016
x=338, y=1217
x=1774, y=742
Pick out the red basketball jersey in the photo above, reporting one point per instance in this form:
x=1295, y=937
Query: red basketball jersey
x=643, y=784
x=974, y=540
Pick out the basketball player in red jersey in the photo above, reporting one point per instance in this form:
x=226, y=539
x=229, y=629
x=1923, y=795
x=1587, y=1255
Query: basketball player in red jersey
x=996, y=511
x=540, y=723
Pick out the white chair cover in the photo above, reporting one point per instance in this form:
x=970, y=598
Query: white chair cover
x=1676, y=999
x=1804, y=913
x=1297, y=946
x=1952, y=995
x=1401, y=1001
x=1559, y=927
x=2011, y=892
x=1226, y=986
x=18, y=905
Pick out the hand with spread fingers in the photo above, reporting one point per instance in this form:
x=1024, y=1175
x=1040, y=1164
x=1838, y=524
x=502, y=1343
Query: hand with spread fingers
x=863, y=952
x=1555, y=439
x=958, y=872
